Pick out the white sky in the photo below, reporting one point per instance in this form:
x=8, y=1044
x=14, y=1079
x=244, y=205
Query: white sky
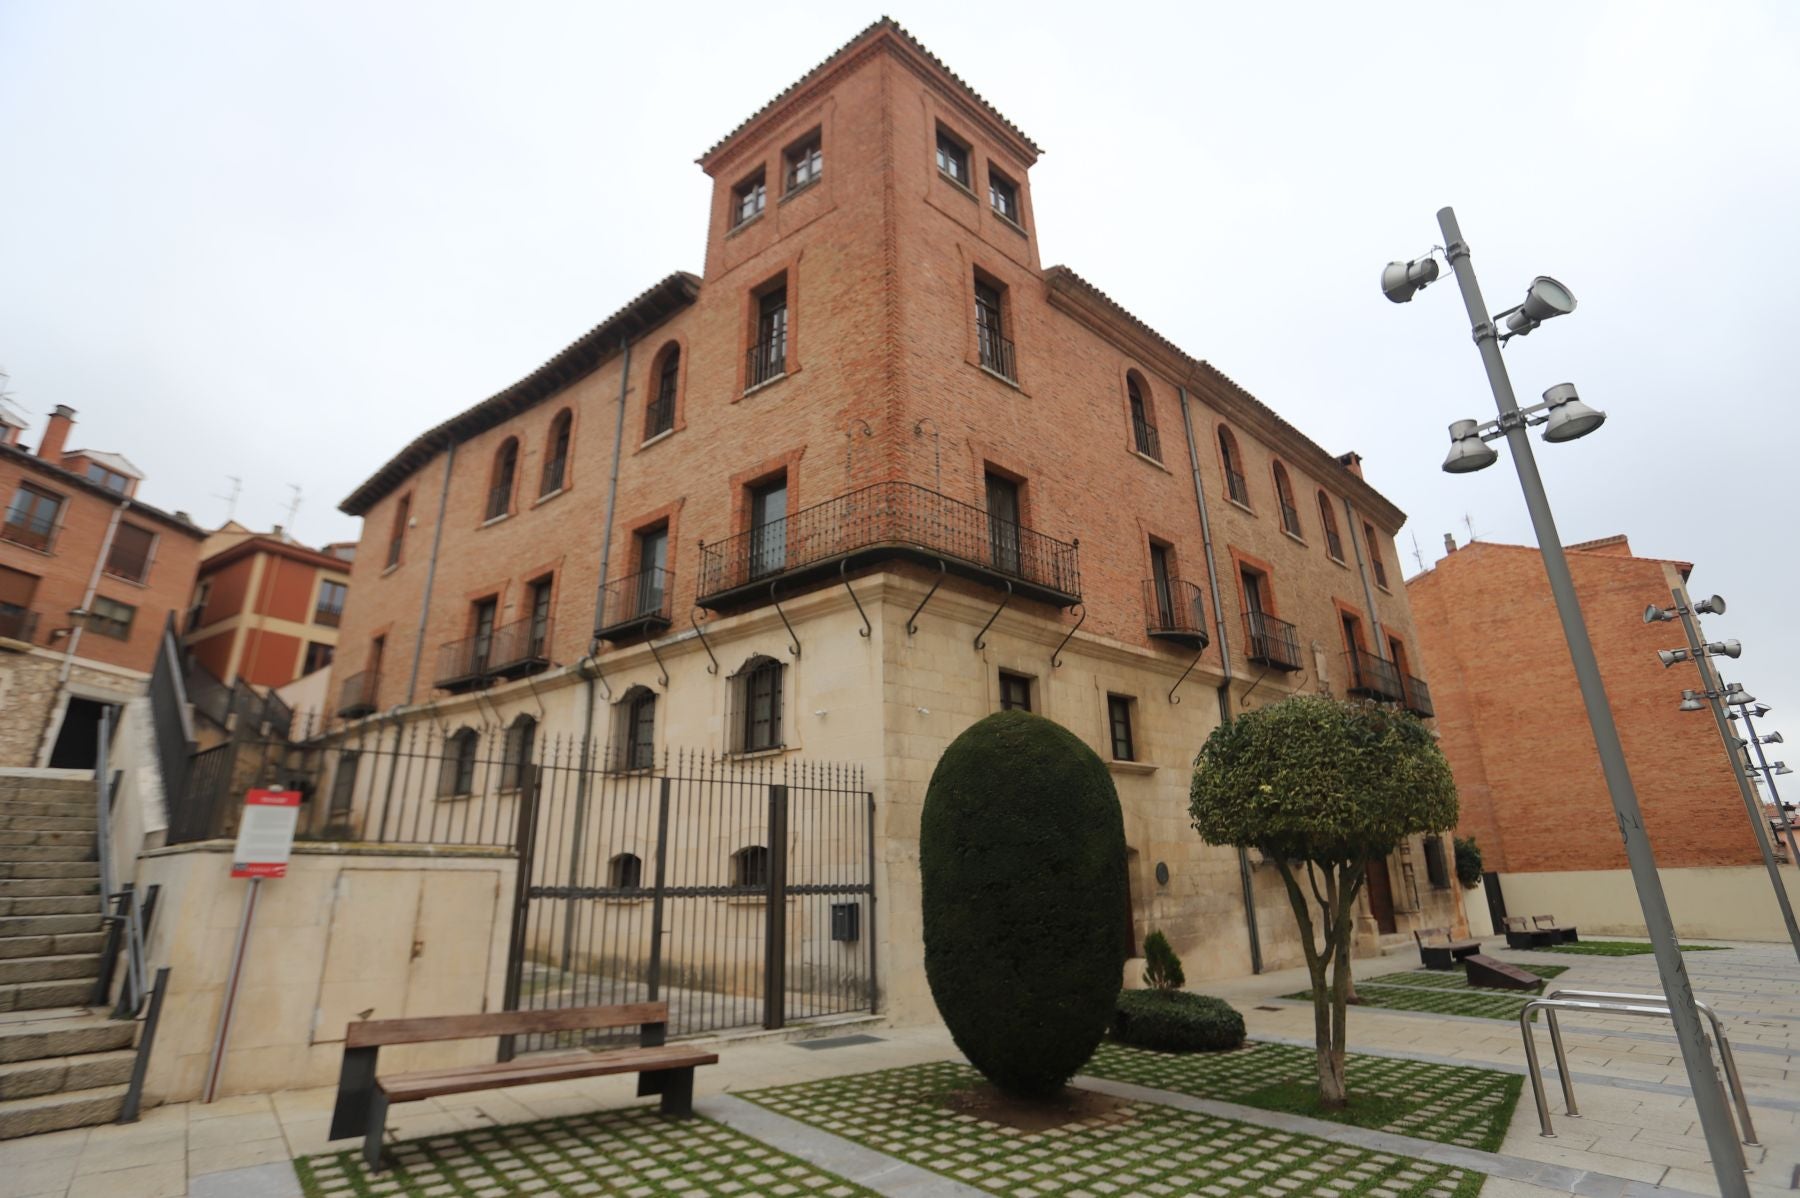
x=280, y=241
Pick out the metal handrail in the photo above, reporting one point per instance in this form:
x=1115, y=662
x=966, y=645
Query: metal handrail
x=132, y=919
x=1658, y=1008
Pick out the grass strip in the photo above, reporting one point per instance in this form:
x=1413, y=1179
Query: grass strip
x=1621, y=948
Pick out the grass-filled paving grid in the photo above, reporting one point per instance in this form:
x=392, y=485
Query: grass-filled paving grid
x=1483, y=1004
x=632, y=1152
x=1137, y=1148
x=1621, y=948
x=1453, y=1104
x=1449, y=979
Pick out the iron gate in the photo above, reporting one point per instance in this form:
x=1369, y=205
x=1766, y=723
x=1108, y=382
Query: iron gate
x=739, y=892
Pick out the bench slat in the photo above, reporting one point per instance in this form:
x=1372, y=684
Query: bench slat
x=409, y=1087
x=373, y=1032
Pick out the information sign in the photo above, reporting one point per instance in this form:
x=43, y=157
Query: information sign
x=266, y=834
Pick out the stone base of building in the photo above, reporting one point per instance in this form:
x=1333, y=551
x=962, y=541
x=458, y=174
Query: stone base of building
x=1711, y=903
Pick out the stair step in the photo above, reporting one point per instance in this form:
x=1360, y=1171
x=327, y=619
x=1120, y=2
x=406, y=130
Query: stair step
x=60, y=808
x=36, y=996
x=60, y=1034
x=51, y=905
x=48, y=887
x=51, y=1075
x=33, y=868
x=52, y=945
x=61, y=967
x=43, y=854
x=55, y=1112
x=49, y=925
x=33, y=838
x=46, y=823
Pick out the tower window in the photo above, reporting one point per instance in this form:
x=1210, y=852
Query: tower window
x=953, y=158
x=747, y=199
x=804, y=163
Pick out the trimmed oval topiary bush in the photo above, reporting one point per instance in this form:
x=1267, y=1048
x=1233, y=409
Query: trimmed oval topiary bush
x=1022, y=864
x=1176, y=1021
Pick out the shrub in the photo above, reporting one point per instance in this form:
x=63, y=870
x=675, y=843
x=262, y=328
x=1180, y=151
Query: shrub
x=1176, y=1021
x=1468, y=862
x=1022, y=868
x=1162, y=968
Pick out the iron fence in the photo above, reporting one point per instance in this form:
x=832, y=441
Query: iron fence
x=1372, y=677
x=1270, y=642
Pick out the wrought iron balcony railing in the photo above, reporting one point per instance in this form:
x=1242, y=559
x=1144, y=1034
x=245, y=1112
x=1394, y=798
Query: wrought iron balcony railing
x=33, y=532
x=17, y=624
x=1148, y=443
x=1418, y=697
x=1371, y=677
x=1174, y=611
x=509, y=651
x=329, y=617
x=659, y=417
x=356, y=696
x=1237, y=488
x=638, y=604
x=1270, y=642
x=766, y=360
x=898, y=519
x=996, y=353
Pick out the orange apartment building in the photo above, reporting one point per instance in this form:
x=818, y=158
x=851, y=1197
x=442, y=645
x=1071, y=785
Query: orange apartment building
x=89, y=573
x=878, y=473
x=1513, y=725
x=265, y=609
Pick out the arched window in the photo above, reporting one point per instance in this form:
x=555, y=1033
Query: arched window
x=625, y=872
x=500, y=486
x=1284, y=495
x=634, y=729
x=397, y=534
x=659, y=418
x=750, y=866
x=515, y=756
x=456, y=772
x=756, y=696
x=556, y=454
x=1235, y=485
x=1375, y=559
x=1143, y=429
x=1334, y=544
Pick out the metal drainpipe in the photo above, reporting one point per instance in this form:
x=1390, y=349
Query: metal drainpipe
x=1212, y=582
x=437, y=539
x=612, y=487
x=1362, y=571
x=87, y=597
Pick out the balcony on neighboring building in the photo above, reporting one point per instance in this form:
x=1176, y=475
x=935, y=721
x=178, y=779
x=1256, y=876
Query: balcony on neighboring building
x=1174, y=612
x=638, y=605
x=356, y=697
x=16, y=623
x=1270, y=642
x=509, y=651
x=1372, y=678
x=1418, y=697
x=889, y=520
x=328, y=617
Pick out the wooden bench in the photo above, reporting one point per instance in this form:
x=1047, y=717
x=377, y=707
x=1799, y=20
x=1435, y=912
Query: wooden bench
x=1438, y=951
x=1520, y=933
x=1547, y=923
x=363, y=1099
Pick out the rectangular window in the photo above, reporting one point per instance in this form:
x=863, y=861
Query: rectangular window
x=1161, y=575
x=197, y=609
x=953, y=158
x=640, y=732
x=1375, y=555
x=109, y=617
x=747, y=199
x=397, y=534
x=539, y=599
x=1015, y=692
x=804, y=163
x=330, y=609
x=110, y=479
x=132, y=549
x=17, y=589
x=483, y=641
x=1118, y=719
x=768, y=528
x=768, y=356
x=653, y=563
x=762, y=707
x=660, y=417
x=377, y=647
x=343, y=785
x=1003, y=523
x=317, y=657
x=31, y=517
x=990, y=330
x=1003, y=194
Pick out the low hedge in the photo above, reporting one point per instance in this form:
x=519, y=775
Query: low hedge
x=1176, y=1021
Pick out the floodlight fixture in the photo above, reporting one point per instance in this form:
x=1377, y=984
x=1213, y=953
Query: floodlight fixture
x=1690, y=701
x=1737, y=696
x=1569, y=419
x=1780, y=767
x=1545, y=299
x=1714, y=606
x=1468, y=452
x=1400, y=281
x=1732, y=648
x=1654, y=614
x=1773, y=738
x=1670, y=657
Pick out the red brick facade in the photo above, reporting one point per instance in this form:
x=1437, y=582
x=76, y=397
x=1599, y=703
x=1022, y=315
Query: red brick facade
x=1516, y=732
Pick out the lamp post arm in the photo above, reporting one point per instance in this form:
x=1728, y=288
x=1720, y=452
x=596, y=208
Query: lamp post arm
x=1762, y=761
x=1709, y=1096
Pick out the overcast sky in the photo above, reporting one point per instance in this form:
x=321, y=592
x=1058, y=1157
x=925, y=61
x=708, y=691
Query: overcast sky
x=278, y=241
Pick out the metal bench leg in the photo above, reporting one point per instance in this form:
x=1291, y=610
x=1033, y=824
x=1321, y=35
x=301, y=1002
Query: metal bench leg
x=678, y=1093
x=376, y=1130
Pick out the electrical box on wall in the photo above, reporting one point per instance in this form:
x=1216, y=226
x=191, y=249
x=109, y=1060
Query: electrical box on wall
x=846, y=921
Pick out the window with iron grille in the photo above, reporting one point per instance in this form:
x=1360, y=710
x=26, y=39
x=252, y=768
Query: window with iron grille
x=556, y=460
x=747, y=199
x=653, y=565
x=31, y=517
x=1003, y=194
x=990, y=329
x=1142, y=431
x=397, y=534
x=500, y=487
x=640, y=730
x=1334, y=544
x=1284, y=495
x=456, y=772
x=659, y=418
x=330, y=608
x=768, y=353
x=1162, y=574
x=1235, y=485
x=538, y=601
x=625, y=872
x=768, y=528
x=131, y=552
x=1375, y=555
x=1015, y=692
x=750, y=866
x=1118, y=719
x=757, y=691
x=804, y=162
x=483, y=618
x=109, y=617
x=515, y=752
x=953, y=158
x=343, y=783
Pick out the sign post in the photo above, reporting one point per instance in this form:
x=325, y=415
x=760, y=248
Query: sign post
x=265, y=841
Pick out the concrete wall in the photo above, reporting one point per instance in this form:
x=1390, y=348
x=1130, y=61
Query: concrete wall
x=352, y=928
x=1719, y=903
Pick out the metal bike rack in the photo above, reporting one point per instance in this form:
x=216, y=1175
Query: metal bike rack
x=1613, y=1003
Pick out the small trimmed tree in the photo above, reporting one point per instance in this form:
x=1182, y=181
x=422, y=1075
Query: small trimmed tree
x=1022, y=873
x=1322, y=787
x=1468, y=862
x=1162, y=968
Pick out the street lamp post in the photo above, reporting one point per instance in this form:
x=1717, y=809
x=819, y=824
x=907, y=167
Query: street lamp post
x=1400, y=281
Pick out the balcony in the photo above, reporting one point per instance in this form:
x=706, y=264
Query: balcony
x=1237, y=488
x=1418, y=697
x=1270, y=642
x=1148, y=443
x=996, y=353
x=1371, y=677
x=330, y=617
x=510, y=651
x=356, y=697
x=889, y=520
x=766, y=361
x=17, y=624
x=638, y=605
x=33, y=532
x=1174, y=612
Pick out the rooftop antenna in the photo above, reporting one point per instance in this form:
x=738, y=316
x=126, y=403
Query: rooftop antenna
x=293, y=506
x=1469, y=523
x=237, y=487
x=1417, y=555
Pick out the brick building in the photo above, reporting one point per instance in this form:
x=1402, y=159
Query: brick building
x=88, y=575
x=1515, y=730
x=265, y=608
x=879, y=473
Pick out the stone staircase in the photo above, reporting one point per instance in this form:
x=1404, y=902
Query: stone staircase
x=63, y=1062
